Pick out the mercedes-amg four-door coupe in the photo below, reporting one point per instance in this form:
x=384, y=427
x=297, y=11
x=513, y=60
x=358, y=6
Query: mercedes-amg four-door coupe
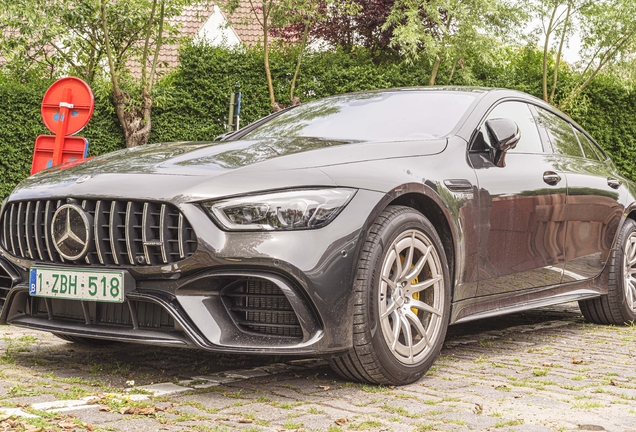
x=355, y=227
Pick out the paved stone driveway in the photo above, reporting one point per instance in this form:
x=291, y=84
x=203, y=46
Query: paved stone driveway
x=536, y=371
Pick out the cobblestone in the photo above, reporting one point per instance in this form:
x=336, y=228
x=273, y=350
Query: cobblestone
x=543, y=370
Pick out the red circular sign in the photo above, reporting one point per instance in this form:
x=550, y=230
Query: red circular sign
x=68, y=101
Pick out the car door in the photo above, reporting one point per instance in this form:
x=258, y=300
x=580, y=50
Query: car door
x=594, y=208
x=522, y=209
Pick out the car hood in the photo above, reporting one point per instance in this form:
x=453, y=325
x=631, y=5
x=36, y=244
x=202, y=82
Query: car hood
x=182, y=164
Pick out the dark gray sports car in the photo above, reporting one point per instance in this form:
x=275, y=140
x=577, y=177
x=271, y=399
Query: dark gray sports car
x=356, y=227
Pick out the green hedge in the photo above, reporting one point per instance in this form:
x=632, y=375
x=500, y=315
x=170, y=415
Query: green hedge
x=191, y=102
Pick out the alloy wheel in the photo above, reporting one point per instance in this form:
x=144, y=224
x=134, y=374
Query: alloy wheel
x=629, y=271
x=411, y=296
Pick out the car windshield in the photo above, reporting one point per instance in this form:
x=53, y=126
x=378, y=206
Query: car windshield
x=382, y=116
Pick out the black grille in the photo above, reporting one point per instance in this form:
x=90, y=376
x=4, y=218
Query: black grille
x=260, y=306
x=145, y=315
x=124, y=232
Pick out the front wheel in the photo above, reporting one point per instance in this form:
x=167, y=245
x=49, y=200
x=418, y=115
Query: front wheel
x=618, y=306
x=402, y=301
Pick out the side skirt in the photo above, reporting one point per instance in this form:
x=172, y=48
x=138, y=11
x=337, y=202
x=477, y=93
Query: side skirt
x=501, y=304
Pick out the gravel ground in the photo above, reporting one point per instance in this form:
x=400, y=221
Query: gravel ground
x=544, y=370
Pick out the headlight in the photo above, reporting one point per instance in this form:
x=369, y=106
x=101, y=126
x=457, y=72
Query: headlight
x=289, y=210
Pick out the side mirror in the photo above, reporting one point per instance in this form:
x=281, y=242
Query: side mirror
x=504, y=135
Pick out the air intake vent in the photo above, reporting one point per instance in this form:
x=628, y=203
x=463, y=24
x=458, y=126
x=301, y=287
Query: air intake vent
x=260, y=306
x=124, y=233
x=7, y=279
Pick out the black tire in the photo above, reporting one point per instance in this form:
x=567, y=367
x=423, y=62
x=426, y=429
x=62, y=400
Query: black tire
x=373, y=358
x=618, y=306
x=84, y=340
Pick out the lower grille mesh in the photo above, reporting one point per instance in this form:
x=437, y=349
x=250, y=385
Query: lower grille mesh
x=146, y=315
x=260, y=306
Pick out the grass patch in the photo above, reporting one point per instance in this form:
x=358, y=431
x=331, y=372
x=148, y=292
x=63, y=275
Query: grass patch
x=587, y=405
x=507, y=423
x=367, y=424
x=374, y=389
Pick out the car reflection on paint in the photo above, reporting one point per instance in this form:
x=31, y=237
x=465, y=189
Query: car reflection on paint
x=356, y=227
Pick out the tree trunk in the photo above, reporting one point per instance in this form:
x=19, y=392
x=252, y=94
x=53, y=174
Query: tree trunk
x=268, y=73
x=135, y=122
x=546, y=47
x=438, y=61
x=559, y=53
x=303, y=44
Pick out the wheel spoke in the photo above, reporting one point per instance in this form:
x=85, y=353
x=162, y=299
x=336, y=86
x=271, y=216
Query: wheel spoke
x=417, y=304
x=418, y=267
x=390, y=310
x=408, y=337
x=408, y=261
x=389, y=282
x=396, y=330
x=630, y=251
x=631, y=294
x=398, y=262
x=418, y=325
x=409, y=289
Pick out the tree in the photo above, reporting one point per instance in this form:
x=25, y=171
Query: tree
x=360, y=24
x=95, y=39
x=449, y=30
x=608, y=37
x=292, y=20
x=295, y=23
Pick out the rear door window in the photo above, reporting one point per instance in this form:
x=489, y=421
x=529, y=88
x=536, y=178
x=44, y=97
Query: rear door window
x=561, y=134
x=589, y=149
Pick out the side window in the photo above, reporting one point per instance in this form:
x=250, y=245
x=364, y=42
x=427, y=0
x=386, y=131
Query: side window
x=561, y=134
x=518, y=112
x=589, y=149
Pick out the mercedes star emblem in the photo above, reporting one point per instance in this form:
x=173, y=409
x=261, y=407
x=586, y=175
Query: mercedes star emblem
x=71, y=229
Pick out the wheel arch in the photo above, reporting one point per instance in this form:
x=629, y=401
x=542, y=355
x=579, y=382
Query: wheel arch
x=425, y=200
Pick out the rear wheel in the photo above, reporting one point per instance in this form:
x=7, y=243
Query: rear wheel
x=84, y=340
x=402, y=301
x=618, y=306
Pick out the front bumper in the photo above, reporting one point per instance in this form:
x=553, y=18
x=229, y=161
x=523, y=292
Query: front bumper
x=261, y=292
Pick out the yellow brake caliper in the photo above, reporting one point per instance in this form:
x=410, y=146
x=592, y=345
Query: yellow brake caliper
x=416, y=296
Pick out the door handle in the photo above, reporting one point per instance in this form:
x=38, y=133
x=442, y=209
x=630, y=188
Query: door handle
x=613, y=183
x=551, y=178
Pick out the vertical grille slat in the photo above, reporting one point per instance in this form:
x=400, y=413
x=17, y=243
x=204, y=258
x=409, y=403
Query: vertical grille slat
x=180, y=233
x=124, y=232
x=145, y=231
x=12, y=229
x=128, y=230
x=162, y=233
x=48, y=216
x=37, y=229
x=114, y=244
x=28, y=230
x=97, y=232
x=19, y=226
